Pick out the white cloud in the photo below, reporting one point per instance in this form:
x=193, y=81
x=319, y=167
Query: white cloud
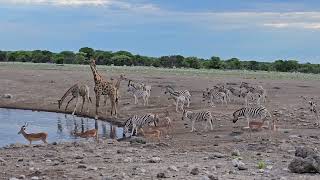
x=58, y=2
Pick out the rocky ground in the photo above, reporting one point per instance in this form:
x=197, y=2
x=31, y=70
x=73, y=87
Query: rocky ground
x=227, y=152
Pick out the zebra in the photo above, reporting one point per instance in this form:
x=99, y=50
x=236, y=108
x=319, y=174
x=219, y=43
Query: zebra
x=224, y=90
x=212, y=94
x=313, y=108
x=139, y=93
x=141, y=86
x=198, y=116
x=135, y=122
x=178, y=98
x=259, y=89
x=184, y=93
x=252, y=113
x=252, y=97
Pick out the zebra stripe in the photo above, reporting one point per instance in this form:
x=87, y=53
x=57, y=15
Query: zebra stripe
x=139, y=93
x=251, y=113
x=136, y=122
x=214, y=94
x=198, y=116
x=184, y=93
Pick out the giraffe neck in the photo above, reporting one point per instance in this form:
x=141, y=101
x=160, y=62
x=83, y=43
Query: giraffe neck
x=96, y=76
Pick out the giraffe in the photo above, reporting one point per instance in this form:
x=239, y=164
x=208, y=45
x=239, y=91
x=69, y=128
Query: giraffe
x=117, y=85
x=78, y=90
x=103, y=87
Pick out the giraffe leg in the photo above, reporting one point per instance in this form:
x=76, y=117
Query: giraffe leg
x=97, y=105
x=83, y=101
x=88, y=104
x=76, y=106
x=69, y=102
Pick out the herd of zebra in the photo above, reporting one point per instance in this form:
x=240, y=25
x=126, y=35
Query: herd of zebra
x=252, y=99
x=252, y=96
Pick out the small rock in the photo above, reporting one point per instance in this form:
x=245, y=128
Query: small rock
x=13, y=178
x=218, y=166
x=235, y=152
x=2, y=160
x=162, y=175
x=173, y=168
x=127, y=160
x=22, y=177
x=93, y=168
x=78, y=157
x=48, y=161
x=235, y=162
x=54, y=143
x=217, y=155
x=283, y=178
x=195, y=171
x=35, y=178
x=212, y=177
x=269, y=167
x=261, y=170
x=154, y=160
x=8, y=96
x=82, y=166
x=242, y=166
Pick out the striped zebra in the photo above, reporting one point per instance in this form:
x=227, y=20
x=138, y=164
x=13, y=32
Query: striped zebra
x=259, y=89
x=139, y=93
x=177, y=97
x=224, y=90
x=252, y=113
x=252, y=97
x=211, y=95
x=135, y=122
x=184, y=93
x=198, y=116
x=141, y=86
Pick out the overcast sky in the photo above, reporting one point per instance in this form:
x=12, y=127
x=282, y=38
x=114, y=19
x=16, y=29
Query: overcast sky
x=263, y=30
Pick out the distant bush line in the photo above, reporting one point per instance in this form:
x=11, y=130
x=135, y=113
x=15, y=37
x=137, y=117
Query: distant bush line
x=121, y=58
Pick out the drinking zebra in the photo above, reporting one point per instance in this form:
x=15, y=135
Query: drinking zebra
x=198, y=116
x=135, y=122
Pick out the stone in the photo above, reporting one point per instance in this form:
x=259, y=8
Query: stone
x=137, y=140
x=173, y=168
x=13, y=178
x=8, y=96
x=195, y=171
x=48, y=161
x=82, y=166
x=304, y=152
x=242, y=166
x=154, y=160
x=92, y=168
x=162, y=175
x=217, y=155
x=22, y=177
x=127, y=160
x=235, y=152
x=35, y=178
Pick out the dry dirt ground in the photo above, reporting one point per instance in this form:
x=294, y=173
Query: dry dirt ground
x=176, y=157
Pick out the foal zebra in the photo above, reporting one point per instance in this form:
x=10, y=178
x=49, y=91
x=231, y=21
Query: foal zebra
x=259, y=89
x=252, y=113
x=139, y=93
x=184, y=93
x=212, y=94
x=136, y=122
x=178, y=98
x=198, y=116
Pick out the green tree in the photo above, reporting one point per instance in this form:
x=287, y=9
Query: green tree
x=3, y=56
x=89, y=52
x=120, y=60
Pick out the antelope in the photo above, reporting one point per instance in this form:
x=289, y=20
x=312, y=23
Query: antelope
x=33, y=136
x=154, y=132
x=88, y=134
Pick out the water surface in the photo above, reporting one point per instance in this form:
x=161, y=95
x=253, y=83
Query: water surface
x=60, y=127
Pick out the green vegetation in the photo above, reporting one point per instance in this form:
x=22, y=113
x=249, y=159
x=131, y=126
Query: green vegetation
x=121, y=58
x=261, y=165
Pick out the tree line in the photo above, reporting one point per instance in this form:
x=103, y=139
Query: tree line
x=121, y=58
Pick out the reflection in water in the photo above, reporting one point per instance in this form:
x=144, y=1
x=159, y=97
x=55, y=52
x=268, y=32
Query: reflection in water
x=60, y=127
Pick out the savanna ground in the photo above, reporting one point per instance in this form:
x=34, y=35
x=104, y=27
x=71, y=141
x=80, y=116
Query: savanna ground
x=39, y=86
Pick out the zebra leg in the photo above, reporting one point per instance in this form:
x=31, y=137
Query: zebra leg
x=177, y=104
x=210, y=122
x=135, y=99
x=188, y=100
x=192, y=126
x=248, y=123
x=133, y=128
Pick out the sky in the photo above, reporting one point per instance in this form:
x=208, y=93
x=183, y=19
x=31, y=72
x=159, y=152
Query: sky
x=262, y=30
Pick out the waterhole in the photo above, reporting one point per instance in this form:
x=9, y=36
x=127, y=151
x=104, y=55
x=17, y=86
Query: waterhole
x=60, y=127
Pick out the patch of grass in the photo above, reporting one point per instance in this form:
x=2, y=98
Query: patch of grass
x=261, y=165
x=158, y=71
